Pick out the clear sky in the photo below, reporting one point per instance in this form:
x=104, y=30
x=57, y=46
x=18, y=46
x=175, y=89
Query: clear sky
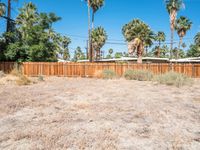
x=112, y=17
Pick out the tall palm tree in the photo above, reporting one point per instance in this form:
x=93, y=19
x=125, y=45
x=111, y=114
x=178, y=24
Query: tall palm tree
x=95, y=5
x=137, y=33
x=26, y=19
x=160, y=37
x=173, y=6
x=65, y=43
x=182, y=25
x=2, y=9
x=99, y=38
x=197, y=39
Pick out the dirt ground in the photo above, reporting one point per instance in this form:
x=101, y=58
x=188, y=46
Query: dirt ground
x=66, y=113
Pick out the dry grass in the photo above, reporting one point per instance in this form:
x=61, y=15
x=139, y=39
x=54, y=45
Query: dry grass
x=2, y=74
x=66, y=113
x=140, y=75
x=173, y=78
x=108, y=74
x=15, y=77
x=23, y=80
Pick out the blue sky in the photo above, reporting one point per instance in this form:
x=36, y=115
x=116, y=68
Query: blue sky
x=112, y=17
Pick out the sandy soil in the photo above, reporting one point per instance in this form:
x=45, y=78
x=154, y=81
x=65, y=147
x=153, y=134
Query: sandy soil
x=65, y=113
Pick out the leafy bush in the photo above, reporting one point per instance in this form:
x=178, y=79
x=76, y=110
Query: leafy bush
x=140, y=75
x=108, y=74
x=173, y=78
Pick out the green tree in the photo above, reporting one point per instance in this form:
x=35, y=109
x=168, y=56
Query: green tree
x=110, y=51
x=173, y=6
x=197, y=39
x=99, y=38
x=183, y=45
x=194, y=51
x=26, y=19
x=178, y=52
x=136, y=34
x=118, y=54
x=65, y=43
x=78, y=54
x=160, y=37
x=2, y=9
x=183, y=24
x=33, y=38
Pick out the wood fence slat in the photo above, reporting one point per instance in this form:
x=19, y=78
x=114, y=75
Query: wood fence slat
x=94, y=69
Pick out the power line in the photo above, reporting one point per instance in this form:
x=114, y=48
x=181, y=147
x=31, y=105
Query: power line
x=111, y=41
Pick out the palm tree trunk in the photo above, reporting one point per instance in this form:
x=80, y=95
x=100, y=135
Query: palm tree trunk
x=179, y=46
x=158, y=55
x=172, y=42
x=173, y=15
x=139, y=53
x=89, y=33
x=93, y=53
x=139, y=60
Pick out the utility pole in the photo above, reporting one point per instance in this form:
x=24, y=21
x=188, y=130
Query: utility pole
x=8, y=16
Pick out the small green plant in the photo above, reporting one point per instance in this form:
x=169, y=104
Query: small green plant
x=108, y=74
x=140, y=75
x=40, y=78
x=173, y=78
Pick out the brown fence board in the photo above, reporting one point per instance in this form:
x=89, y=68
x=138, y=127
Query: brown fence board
x=6, y=67
x=95, y=69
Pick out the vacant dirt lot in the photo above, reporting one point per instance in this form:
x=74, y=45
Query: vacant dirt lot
x=65, y=113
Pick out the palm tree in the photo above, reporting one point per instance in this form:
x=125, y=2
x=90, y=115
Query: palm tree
x=148, y=42
x=137, y=33
x=2, y=9
x=27, y=18
x=173, y=6
x=160, y=37
x=65, y=43
x=95, y=5
x=110, y=51
x=182, y=25
x=89, y=32
x=183, y=45
x=99, y=38
x=197, y=39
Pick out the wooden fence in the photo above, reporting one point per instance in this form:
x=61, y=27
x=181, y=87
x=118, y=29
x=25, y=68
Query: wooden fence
x=6, y=67
x=95, y=69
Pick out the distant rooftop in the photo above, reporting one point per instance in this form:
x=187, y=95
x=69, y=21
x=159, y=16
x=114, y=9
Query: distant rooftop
x=146, y=59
